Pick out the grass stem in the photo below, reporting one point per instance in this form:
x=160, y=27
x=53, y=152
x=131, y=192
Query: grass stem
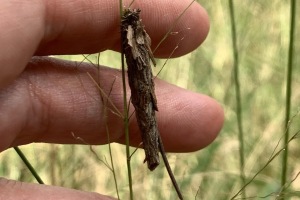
x=126, y=117
x=237, y=95
x=28, y=165
x=288, y=90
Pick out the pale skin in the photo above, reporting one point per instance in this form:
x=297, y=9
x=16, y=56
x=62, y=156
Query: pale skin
x=44, y=99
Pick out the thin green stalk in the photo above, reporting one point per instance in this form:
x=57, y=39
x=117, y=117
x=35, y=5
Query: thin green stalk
x=105, y=103
x=288, y=91
x=112, y=163
x=126, y=119
x=237, y=95
x=28, y=165
x=265, y=166
x=173, y=25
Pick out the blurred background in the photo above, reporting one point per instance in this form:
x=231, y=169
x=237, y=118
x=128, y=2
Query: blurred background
x=262, y=36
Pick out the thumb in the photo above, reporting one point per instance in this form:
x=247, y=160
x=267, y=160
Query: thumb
x=10, y=189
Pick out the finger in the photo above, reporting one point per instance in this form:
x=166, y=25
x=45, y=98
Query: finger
x=57, y=102
x=72, y=27
x=22, y=29
x=187, y=121
x=92, y=26
x=10, y=189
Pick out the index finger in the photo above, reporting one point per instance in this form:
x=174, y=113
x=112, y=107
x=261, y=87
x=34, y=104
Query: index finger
x=71, y=27
x=92, y=26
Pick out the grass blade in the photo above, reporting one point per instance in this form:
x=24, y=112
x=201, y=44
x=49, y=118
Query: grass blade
x=28, y=165
x=126, y=117
x=237, y=95
x=288, y=90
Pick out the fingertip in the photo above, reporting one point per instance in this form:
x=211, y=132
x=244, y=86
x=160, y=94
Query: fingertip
x=212, y=120
x=174, y=25
x=189, y=121
x=189, y=27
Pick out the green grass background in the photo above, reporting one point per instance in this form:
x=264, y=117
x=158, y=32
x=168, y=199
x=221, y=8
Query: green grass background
x=262, y=29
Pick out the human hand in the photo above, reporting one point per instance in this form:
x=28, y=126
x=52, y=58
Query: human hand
x=45, y=99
